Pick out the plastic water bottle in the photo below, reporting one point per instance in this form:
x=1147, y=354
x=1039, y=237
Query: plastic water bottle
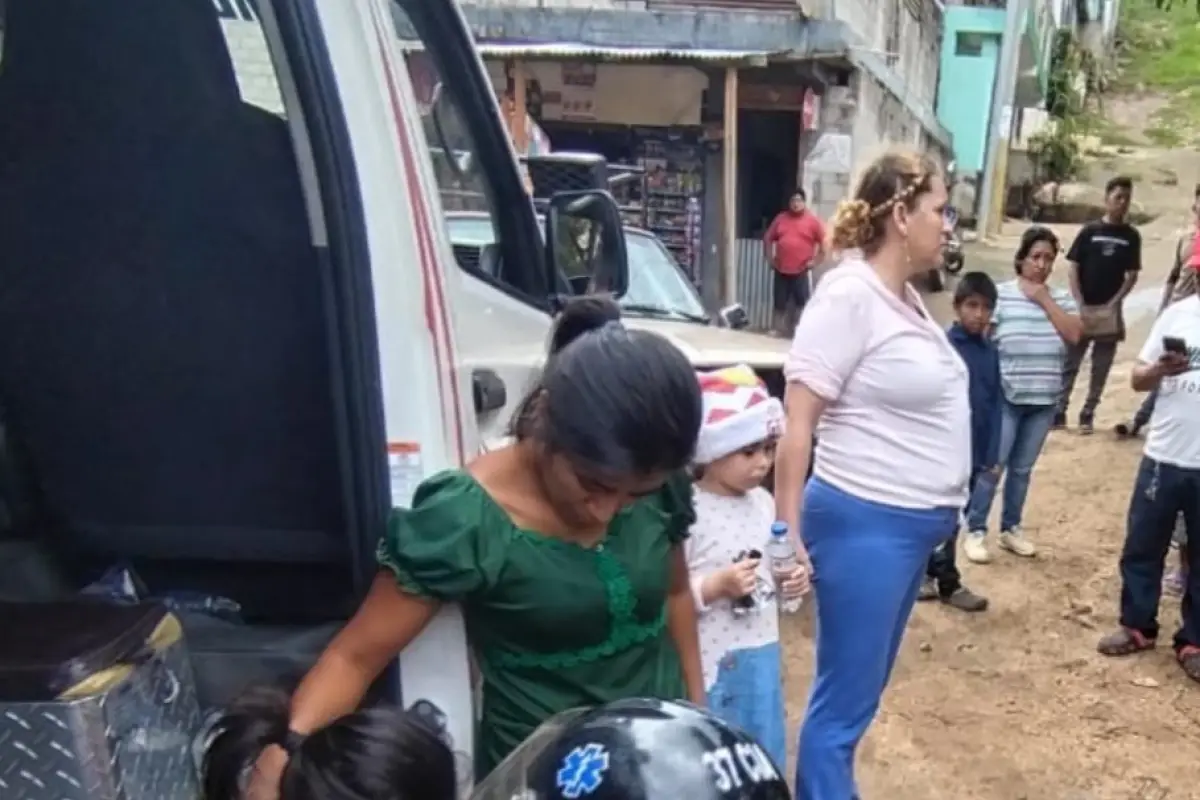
x=784, y=561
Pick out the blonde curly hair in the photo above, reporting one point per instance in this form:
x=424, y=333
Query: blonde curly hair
x=898, y=176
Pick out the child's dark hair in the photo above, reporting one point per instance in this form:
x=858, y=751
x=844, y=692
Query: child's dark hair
x=1031, y=236
x=975, y=284
x=620, y=401
x=1119, y=182
x=376, y=754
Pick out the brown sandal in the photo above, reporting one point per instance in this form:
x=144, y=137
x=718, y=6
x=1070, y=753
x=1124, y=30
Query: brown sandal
x=1188, y=657
x=1127, y=430
x=1126, y=642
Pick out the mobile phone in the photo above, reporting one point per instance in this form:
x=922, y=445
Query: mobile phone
x=744, y=605
x=1174, y=344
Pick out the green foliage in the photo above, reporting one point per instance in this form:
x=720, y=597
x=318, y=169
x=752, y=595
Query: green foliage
x=1157, y=48
x=1055, y=150
x=1159, y=51
x=1066, y=61
x=1056, y=153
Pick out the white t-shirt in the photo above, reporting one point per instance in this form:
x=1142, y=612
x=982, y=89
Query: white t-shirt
x=724, y=527
x=1174, y=436
x=897, y=427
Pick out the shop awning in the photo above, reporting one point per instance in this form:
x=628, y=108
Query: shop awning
x=572, y=50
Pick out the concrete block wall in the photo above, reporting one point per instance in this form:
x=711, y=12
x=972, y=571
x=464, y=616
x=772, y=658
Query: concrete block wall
x=880, y=118
x=920, y=55
x=863, y=17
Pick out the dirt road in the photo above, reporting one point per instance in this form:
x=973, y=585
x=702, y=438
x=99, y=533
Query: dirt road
x=1015, y=703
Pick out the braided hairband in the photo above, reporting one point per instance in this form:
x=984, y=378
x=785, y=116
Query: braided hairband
x=902, y=195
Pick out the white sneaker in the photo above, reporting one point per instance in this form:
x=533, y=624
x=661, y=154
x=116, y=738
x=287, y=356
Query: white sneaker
x=975, y=548
x=1014, y=541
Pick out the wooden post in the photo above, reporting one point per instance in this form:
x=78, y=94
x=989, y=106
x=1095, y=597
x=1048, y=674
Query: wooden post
x=728, y=252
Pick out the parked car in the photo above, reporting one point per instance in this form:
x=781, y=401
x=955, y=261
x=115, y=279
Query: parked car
x=660, y=298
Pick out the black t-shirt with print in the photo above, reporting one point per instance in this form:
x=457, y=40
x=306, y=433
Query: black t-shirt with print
x=1105, y=251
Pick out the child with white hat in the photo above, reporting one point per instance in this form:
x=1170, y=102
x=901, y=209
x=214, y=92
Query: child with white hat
x=734, y=591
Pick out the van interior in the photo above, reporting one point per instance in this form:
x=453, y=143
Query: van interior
x=170, y=384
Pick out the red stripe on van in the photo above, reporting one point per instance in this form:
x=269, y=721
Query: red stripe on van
x=436, y=315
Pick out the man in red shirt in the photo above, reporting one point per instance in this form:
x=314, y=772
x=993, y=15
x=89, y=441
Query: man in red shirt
x=794, y=244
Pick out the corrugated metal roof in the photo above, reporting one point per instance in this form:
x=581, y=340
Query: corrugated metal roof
x=579, y=50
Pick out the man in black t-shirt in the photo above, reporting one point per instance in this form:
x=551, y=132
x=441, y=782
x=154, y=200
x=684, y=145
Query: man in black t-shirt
x=1103, y=264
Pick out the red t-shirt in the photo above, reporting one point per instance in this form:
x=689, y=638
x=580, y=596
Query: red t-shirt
x=796, y=238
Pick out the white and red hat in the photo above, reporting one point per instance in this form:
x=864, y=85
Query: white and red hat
x=738, y=413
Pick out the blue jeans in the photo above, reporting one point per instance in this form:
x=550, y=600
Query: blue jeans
x=1161, y=493
x=748, y=693
x=869, y=559
x=1023, y=431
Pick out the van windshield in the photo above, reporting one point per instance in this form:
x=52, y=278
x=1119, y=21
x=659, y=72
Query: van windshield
x=655, y=280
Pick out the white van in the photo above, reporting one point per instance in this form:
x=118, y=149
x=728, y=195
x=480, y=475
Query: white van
x=233, y=333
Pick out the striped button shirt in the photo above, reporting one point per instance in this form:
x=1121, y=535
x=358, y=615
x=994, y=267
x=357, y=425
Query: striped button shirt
x=1031, y=351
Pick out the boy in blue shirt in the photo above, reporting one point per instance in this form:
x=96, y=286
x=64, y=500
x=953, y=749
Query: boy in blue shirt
x=974, y=302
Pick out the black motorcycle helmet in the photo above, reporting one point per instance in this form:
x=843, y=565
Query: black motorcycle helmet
x=649, y=750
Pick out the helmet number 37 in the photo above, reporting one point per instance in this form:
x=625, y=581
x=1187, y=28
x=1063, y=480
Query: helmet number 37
x=740, y=764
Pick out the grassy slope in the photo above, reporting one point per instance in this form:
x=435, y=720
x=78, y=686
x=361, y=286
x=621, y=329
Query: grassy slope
x=1161, y=53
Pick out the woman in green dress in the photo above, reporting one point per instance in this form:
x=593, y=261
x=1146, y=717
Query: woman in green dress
x=563, y=549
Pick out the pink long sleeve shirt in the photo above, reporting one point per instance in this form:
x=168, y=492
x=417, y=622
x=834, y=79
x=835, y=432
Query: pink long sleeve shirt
x=896, y=429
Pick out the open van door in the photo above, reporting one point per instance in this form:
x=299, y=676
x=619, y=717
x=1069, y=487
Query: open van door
x=486, y=322
x=233, y=334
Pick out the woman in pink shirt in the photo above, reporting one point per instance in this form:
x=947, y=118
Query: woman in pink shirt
x=876, y=380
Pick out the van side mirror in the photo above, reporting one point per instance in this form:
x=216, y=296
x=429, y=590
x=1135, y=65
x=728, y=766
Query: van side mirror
x=585, y=242
x=735, y=316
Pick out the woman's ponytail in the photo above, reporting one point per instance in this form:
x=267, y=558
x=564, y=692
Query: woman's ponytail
x=582, y=315
x=375, y=754
x=254, y=722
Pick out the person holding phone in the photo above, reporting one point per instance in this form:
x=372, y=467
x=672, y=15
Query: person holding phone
x=1181, y=283
x=1167, y=485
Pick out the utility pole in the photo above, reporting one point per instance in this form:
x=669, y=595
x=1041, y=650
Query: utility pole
x=994, y=190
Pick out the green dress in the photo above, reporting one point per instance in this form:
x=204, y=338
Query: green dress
x=552, y=625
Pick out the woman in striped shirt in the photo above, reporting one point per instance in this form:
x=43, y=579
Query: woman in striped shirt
x=1033, y=325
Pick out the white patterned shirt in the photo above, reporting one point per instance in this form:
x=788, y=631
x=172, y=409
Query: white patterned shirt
x=724, y=527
